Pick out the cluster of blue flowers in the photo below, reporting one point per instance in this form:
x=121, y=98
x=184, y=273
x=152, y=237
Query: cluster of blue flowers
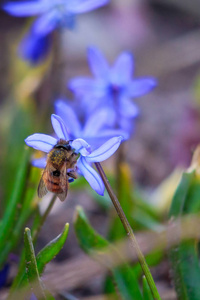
x=105, y=100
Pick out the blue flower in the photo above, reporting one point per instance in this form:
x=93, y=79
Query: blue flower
x=93, y=129
x=112, y=87
x=52, y=14
x=35, y=48
x=4, y=275
x=45, y=143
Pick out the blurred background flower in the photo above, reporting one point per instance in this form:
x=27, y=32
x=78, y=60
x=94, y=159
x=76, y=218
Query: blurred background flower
x=52, y=15
x=94, y=129
x=112, y=88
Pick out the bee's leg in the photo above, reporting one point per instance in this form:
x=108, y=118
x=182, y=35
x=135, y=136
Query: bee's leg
x=73, y=159
x=70, y=180
x=72, y=174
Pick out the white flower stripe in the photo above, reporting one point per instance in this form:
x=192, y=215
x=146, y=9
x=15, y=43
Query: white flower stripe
x=59, y=127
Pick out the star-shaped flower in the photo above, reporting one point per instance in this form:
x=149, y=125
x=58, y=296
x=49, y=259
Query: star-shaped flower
x=45, y=143
x=51, y=15
x=112, y=86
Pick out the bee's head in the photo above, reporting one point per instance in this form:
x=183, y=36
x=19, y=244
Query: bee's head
x=62, y=144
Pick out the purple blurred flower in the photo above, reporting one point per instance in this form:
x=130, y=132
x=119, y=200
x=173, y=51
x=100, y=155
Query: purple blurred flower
x=33, y=297
x=112, y=87
x=35, y=48
x=52, y=14
x=45, y=143
x=4, y=275
x=94, y=130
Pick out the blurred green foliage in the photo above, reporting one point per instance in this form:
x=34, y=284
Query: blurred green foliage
x=92, y=242
x=184, y=257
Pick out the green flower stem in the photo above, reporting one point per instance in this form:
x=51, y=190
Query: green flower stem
x=129, y=232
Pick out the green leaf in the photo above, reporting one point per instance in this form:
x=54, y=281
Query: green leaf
x=125, y=197
x=51, y=249
x=16, y=128
x=90, y=241
x=44, y=256
x=31, y=267
x=26, y=209
x=14, y=203
x=181, y=194
x=146, y=290
x=140, y=214
x=184, y=257
x=21, y=268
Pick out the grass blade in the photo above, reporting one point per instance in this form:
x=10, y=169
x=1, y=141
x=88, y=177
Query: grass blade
x=90, y=241
x=184, y=257
x=31, y=267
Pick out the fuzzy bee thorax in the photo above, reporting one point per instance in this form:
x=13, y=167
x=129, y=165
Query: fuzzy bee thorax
x=58, y=157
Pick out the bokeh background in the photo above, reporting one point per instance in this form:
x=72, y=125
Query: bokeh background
x=164, y=37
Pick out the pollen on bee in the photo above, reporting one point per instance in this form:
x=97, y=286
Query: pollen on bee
x=57, y=157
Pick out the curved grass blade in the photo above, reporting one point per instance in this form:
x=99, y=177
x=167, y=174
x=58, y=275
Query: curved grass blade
x=8, y=220
x=51, y=249
x=90, y=241
x=147, y=295
x=27, y=208
x=184, y=257
x=44, y=256
x=31, y=267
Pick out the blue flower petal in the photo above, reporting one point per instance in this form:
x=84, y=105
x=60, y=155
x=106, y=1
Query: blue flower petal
x=39, y=162
x=109, y=133
x=59, y=127
x=46, y=23
x=127, y=124
x=40, y=141
x=80, y=6
x=98, y=63
x=28, y=8
x=95, y=122
x=33, y=297
x=139, y=87
x=105, y=151
x=4, y=272
x=91, y=176
x=68, y=115
x=34, y=48
x=127, y=108
x=87, y=86
x=81, y=146
x=81, y=84
x=122, y=70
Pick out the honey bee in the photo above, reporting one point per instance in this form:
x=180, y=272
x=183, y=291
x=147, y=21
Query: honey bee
x=59, y=169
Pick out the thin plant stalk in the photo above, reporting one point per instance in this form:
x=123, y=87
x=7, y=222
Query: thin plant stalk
x=44, y=217
x=129, y=232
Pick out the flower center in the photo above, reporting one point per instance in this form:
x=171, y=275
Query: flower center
x=115, y=90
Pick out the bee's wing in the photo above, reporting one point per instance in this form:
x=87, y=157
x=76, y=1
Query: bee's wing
x=42, y=189
x=63, y=183
x=62, y=196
